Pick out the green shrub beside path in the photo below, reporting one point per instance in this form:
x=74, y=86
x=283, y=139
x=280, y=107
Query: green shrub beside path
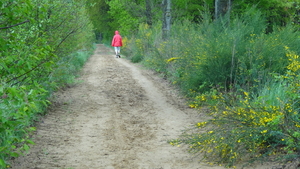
x=43, y=44
x=247, y=78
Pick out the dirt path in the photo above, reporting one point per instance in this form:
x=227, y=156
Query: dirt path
x=118, y=117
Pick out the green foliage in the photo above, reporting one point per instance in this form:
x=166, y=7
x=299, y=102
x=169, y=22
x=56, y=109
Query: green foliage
x=258, y=115
x=67, y=68
x=240, y=73
x=98, y=12
x=277, y=12
x=141, y=44
x=126, y=16
x=189, y=9
x=38, y=40
x=137, y=58
x=255, y=126
x=19, y=107
x=125, y=22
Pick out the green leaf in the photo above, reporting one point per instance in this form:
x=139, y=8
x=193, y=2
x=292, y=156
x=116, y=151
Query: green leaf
x=32, y=128
x=26, y=147
x=2, y=163
x=25, y=109
x=14, y=154
x=2, y=149
x=296, y=134
x=30, y=142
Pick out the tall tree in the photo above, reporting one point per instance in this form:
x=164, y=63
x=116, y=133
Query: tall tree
x=166, y=19
x=148, y=12
x=222, y=7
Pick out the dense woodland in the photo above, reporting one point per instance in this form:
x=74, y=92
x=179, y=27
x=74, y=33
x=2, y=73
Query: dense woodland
x=127, y=15
x=237, y=59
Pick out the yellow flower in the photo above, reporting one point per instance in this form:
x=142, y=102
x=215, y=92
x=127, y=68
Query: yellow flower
x=264, y=131
x=214, y=97
x=172, y=59
x=192, y=106
x=201, y=124
x=148, y=34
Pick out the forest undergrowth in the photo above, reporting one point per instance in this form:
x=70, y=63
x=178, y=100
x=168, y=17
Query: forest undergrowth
x=247, y=77
x=43, y=44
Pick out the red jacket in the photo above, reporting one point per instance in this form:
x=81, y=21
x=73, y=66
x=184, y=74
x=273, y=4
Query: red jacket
x=117, y=40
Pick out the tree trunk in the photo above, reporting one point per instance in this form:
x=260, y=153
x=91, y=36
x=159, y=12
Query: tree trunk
x=148, y=13
x=222, y=7
x=166, y=6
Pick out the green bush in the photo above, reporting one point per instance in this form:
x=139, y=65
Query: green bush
x=247, y=79
x=251, y=125
x=137, y=58
x=37, y=57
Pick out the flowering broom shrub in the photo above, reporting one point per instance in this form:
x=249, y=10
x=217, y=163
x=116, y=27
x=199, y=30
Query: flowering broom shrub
x=259, y=126
x=246, y=78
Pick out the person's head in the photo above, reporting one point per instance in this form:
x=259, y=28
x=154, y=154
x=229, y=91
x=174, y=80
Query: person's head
x=116, y=32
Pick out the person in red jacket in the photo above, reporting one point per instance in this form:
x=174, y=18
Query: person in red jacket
x=117, y=43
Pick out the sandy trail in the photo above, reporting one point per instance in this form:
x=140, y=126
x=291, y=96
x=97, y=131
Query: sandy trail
x=118, y=117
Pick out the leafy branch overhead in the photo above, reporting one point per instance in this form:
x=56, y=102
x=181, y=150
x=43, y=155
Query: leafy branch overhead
x=39, y=40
